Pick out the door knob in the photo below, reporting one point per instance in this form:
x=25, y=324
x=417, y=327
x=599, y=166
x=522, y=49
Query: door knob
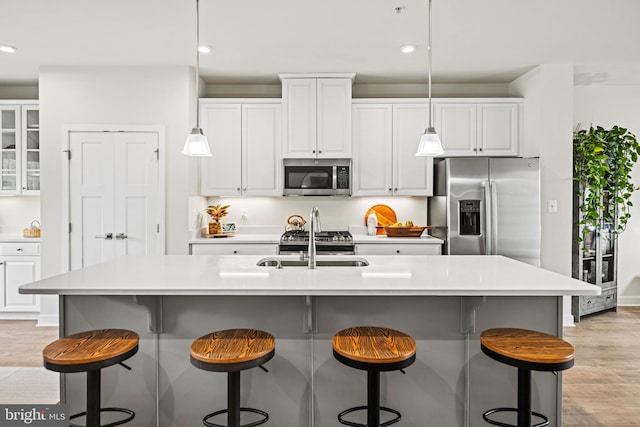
x=107, y=236
x=121, y=236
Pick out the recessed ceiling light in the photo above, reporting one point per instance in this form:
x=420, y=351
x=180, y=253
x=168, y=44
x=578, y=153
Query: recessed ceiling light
x=204, y=49
x=408, y=48
x=7, y=48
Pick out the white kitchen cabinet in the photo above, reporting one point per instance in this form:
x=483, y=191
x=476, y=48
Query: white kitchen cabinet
x=233, y=249
x=398, y=249
x=19, y=265
x=19, y=149
x=385, y=139
x=478, y=129
x=245, y=140
x=317, y=116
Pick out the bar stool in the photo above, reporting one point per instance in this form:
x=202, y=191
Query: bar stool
x=232, y=351
x=89, y=352
x=528, y=351
x=374, y=350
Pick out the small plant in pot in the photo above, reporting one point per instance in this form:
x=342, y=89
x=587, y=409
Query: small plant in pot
x=216, y=212
x=603, y=162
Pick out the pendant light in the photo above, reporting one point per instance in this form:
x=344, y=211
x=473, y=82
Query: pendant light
x=430, y=144
x=196, y=143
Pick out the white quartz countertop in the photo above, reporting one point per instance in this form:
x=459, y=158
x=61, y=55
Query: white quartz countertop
x=275, y=239
x=17, y=238
x=456, y=275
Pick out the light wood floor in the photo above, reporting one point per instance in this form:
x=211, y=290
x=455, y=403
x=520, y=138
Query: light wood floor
x=601, y=390
x=603, y=387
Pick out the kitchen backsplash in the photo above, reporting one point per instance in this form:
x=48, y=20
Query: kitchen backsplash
x=17, y=212
x=336, y=213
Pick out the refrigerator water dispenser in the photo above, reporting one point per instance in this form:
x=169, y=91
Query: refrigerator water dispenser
x=469, y=217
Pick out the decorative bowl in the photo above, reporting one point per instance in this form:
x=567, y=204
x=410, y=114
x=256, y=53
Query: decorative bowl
x=404, y=231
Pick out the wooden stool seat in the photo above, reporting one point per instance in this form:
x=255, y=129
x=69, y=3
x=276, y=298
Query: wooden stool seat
x=373, y=349
x=524, y=348
x=370, y=345
x=90, y=350
x=232, y=350
x=528, y=351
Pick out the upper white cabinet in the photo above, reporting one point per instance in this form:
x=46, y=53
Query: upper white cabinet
x=317, y=115
x=478, y=129
x=245, y=140
x=19, y=149
x=385, y=139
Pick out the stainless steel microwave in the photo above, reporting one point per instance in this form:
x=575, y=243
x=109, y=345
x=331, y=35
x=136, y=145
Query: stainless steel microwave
x=317, y=177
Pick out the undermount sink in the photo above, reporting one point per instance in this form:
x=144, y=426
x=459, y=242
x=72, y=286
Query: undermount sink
x=293, y=262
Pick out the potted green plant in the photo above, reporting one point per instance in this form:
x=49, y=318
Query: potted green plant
x=603, y=160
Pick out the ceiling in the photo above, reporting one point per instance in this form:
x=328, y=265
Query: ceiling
x=474, y=41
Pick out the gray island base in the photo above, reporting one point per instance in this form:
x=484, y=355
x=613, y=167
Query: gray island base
x=442, y=302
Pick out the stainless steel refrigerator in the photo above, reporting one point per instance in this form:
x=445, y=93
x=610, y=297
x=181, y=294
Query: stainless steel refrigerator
x=487, y=206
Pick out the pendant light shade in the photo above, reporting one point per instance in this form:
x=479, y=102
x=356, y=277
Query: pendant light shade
x=196, y=143
x=430, y=144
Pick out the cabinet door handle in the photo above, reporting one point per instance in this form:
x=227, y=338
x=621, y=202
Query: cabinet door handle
x=313, y=151
x=121, y=236
x=395, y=189
x=235, y=251
x=397, y=251
x=238, y=189
x=480, y=149
x=107, y=236
x=1, y=263
x=244, y=188
x=319, y=151
x=390, y=190
x=20, y=250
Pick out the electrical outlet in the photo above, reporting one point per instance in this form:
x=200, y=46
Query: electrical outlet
x=243, y=214
x=552, y=206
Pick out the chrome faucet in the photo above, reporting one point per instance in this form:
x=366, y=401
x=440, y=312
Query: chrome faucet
x=314, y=225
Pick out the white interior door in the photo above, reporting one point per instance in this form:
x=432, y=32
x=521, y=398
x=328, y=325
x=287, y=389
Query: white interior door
x=113, y=195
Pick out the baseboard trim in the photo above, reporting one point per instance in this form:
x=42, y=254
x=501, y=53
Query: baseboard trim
x=629, y=301
x=48, y=320
x=568, y=321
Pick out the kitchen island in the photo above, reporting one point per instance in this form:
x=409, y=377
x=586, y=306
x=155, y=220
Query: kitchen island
x=442, y=302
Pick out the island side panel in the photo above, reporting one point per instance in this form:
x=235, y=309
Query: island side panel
x=188, y=393
x=135, y=389
x=432, y=388
x=495, y=384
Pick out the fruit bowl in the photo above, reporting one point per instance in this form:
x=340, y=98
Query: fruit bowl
x=404, y=231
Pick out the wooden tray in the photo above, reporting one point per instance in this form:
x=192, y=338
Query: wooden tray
x=405, y=231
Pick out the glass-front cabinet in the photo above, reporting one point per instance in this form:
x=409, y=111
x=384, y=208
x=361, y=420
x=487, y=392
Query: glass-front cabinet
x=594, y=260
x=20, y=149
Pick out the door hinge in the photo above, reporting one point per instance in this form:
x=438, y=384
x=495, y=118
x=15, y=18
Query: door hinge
x=70, y=228
x=157, y=151
x=68, y=154
x=157, y=228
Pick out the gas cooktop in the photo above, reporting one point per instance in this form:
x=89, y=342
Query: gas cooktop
x=324, y=237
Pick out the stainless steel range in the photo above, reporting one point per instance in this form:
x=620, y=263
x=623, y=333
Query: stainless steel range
x=327, y=243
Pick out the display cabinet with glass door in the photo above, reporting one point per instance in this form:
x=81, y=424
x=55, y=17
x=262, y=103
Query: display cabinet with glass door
x=30, y=150
x=10, y=154
x=594, y=258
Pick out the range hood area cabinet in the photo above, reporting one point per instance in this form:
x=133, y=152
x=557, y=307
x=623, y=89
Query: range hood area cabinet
x=488, y=129
x=245, y=139
x=385, y=139
x=317, y=115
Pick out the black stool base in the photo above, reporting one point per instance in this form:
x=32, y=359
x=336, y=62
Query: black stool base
x=265, y=417
x=545, y=420
x=113, y=424
x=365, y=408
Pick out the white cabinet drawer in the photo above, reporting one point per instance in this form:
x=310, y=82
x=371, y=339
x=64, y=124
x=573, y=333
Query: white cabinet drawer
x=19, y=248
x=398, y=249
x=237, y=249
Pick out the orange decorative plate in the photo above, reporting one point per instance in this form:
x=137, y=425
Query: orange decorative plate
x=386, y=216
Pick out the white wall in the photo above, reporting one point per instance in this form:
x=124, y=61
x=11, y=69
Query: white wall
x=116, y=95
x=607, y=106
x=548, y=127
